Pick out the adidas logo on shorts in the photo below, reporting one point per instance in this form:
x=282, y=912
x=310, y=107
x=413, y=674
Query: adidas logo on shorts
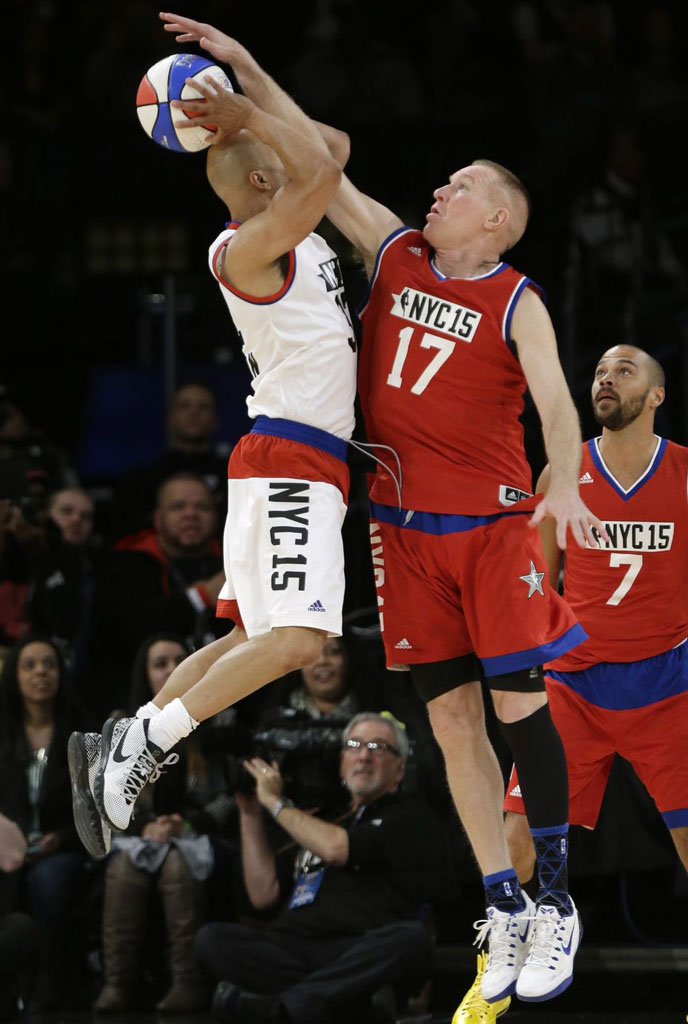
x=586, y=479
x=516, y=791
x=317, y=606
x=403, y=645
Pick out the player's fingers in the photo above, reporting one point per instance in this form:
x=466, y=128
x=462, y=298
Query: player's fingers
x=577, y=529
x=601, y=529
x=537, y=516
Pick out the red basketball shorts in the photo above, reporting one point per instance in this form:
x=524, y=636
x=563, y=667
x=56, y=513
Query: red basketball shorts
x=652, y=737
x=449, y=585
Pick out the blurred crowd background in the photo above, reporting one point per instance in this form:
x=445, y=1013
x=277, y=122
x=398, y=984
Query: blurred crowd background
x=119, y=365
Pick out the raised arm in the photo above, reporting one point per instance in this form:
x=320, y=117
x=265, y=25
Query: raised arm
x=365, y=222
x=535, y=341
x=298, y=205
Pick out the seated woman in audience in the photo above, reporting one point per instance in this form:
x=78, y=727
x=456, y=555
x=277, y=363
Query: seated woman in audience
x=37, y=715
x=168, y=848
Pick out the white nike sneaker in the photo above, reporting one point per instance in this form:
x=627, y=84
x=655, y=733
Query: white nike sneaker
x=83, y=753
x=508, y=937
x=127, y=762
x=549, y=967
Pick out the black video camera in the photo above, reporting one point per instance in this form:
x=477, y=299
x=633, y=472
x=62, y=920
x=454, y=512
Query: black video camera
x=307, y=752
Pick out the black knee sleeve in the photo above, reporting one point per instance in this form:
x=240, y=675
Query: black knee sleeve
x=538, y=754
x=437, y=677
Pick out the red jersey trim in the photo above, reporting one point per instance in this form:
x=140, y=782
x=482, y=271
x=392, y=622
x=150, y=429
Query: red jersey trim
x=255, y=300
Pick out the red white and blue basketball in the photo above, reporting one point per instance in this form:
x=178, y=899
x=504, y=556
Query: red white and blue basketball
x=166, y=81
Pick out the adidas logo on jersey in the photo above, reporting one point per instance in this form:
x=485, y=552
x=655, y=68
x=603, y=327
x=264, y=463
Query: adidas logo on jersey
x=516, y=791
x=403, y=645
x=317, y=606
x=415, y=249
x=586, y=479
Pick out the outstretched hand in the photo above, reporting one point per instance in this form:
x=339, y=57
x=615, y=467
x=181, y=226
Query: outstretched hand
x=571, y=513
x=221, y=108
x=221, y=46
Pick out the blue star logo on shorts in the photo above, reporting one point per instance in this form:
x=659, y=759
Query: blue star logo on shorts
x=534, y=580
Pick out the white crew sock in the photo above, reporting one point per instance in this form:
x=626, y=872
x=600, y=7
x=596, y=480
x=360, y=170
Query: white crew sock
x=171, y=725
x=148, y=710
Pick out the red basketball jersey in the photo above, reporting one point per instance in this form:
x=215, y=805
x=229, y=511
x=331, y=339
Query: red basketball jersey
x=630, y=595
x=440, y=383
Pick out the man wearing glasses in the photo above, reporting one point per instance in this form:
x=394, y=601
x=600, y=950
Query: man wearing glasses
x=352, y=922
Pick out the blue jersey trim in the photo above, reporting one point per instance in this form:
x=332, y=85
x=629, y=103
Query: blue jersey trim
x=675, y=819
x=534, y=655
x=437, y=523
x=291, y=430
x=624, y=686
x=380, y=253
x=647, y=475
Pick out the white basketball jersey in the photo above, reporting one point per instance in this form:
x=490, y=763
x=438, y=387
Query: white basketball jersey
x=299, y=343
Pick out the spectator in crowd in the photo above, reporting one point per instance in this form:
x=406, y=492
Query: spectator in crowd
x=18, y=932
x=353, y=921
x=191, y=427
x=168, y=848
x=168, y=577
x=61, y=590
x=47, y=870
x=30, y=467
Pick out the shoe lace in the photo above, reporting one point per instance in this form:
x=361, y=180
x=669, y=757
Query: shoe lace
x=501, y=934
x=546, y=941
x=144, y=769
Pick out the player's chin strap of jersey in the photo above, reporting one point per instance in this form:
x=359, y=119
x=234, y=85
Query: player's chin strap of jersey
x=398, y=480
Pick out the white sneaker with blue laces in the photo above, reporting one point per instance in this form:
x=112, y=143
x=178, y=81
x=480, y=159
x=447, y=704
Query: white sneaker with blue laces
x=549, y=967
x=508, y=938
x=127, y=762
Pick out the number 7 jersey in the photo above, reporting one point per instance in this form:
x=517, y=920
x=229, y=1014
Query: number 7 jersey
x=440, y=383
x=630, y=595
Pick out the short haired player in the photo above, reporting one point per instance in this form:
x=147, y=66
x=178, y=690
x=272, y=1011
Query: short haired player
x=625, y=690
x=452, y=338
x=288, y=478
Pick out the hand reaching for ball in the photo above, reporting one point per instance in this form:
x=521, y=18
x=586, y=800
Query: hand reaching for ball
x=226, y=111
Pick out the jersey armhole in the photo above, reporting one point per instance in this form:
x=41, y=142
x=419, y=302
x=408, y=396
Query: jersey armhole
x=378, y=259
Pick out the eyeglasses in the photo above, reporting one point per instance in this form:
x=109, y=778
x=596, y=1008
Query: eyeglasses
x=374, y=746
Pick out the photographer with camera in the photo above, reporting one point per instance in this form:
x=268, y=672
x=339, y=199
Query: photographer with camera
x=361, y=883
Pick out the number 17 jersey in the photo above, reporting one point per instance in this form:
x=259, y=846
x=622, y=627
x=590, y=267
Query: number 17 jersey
x=440, y=383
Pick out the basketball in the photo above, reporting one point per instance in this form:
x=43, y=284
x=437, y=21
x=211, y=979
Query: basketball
x=166, y=81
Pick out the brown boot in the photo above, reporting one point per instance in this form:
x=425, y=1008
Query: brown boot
x=124, y=917
x=183, y=900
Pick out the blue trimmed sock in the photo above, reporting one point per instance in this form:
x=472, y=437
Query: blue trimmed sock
x=503, y=891
x=552, y=848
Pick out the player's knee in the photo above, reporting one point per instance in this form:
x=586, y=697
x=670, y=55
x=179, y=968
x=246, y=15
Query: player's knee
x=457, y=713
x=298, y=647
x=513, y=707
x=521, y=846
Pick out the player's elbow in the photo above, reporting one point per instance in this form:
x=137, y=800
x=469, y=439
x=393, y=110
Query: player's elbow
x=339, y=145
x=330, y=173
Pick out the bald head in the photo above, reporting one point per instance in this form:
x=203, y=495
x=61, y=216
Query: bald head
x=243, y=167
x=656, y=377
x=514, y=195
